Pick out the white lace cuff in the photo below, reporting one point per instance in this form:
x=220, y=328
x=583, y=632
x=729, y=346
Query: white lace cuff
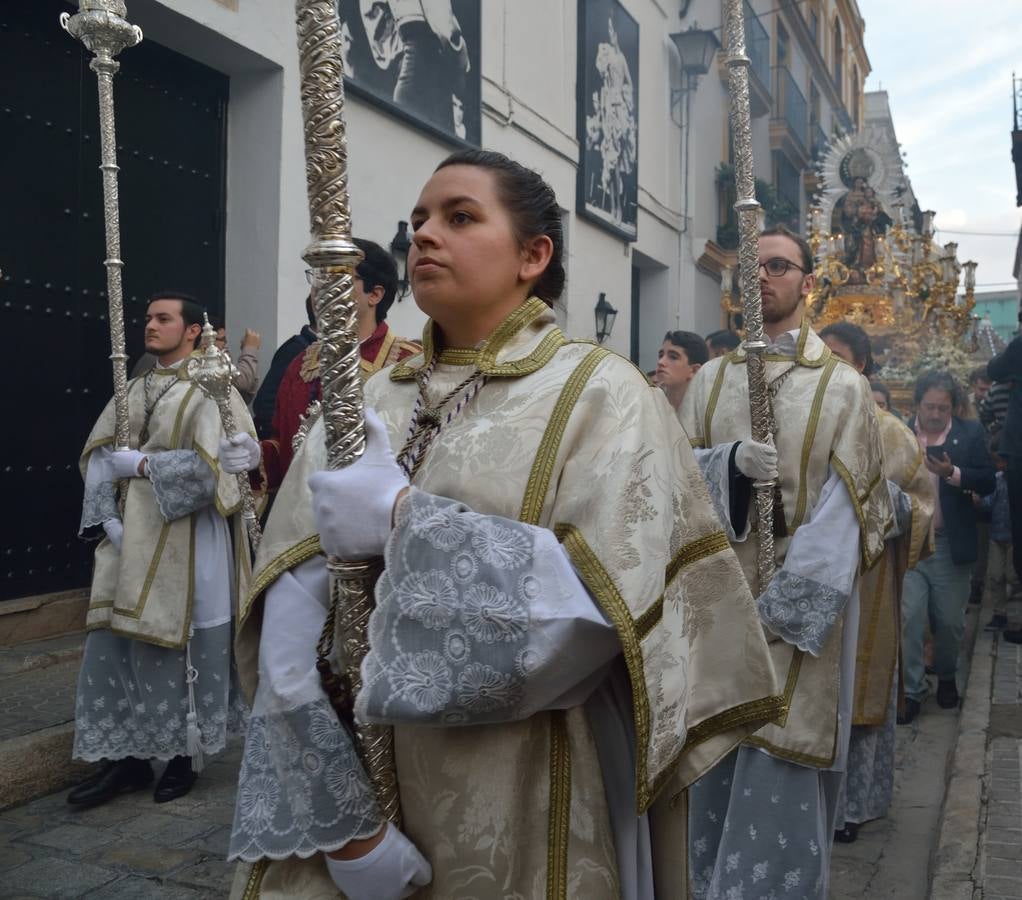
x=478, y=619
x=302, y=788
x=182, y=482
x=800, y=611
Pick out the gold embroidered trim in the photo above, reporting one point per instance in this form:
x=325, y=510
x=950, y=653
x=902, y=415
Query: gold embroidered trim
x=869, y=559
x=293, y=556
x=804, y=759
x=535, y=361
x=762, y=710
x=308, y=371
x=799, y=356
x=602, y=588
x=389, y=339
x=486, y=359
x=863, y=657
x=254, y=884
x=214, y=464
x=711, y=403
x=559, y=814
x=546, y=456
x=455, y=357
x=691, y=553
x=707, y=545
x=650, y=618
x=175, y=435
x=150, y=577
x=807, y=445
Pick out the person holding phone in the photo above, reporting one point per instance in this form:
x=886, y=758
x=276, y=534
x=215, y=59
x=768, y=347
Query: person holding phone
x=937, y=589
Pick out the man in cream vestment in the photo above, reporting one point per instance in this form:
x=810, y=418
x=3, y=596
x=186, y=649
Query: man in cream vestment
x=156, y=673
x=549, y=646
x=761, y=823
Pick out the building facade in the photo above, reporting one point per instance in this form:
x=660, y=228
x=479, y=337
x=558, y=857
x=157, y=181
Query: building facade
x=808, y=67
x=591, y=93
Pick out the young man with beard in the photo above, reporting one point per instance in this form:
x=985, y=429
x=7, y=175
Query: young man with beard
x=765, y=815
x=157, y=674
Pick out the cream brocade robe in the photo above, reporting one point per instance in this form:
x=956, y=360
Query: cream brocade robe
x=880, y=587
x=568, y=436
x=826, y=420
x=146, y=590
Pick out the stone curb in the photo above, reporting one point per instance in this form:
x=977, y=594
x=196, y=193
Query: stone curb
x=38, y=763
x=956, y=857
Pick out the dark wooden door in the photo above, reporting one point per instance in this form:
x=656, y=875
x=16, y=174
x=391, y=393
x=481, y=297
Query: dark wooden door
x=170, y=116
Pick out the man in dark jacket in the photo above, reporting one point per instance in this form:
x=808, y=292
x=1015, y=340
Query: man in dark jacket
x=956, y=455
x=1007, y=368
x=266, y=398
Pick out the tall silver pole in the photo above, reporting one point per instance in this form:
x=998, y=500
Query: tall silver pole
x=332, y=256
x=748, y=261
x=102, y=27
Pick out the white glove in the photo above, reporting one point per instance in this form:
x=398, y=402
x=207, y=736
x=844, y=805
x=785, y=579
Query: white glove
x=353, y=506
x=393, y=869
x=240, y=453
x=114, y=529
x=757, y=461
x=125, y=463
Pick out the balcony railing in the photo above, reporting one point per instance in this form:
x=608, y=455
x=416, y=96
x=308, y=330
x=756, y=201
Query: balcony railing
x=791, y=104
x=757, y=46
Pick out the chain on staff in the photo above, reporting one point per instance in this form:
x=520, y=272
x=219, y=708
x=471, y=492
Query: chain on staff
x=332, y=256
x=102, y=27
x=747, y=208
x=213, y=371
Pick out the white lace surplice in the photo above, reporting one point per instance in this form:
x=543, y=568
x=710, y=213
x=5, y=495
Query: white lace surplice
x=132, y=696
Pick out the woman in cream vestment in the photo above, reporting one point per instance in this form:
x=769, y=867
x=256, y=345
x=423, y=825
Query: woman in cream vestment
x=563, y=638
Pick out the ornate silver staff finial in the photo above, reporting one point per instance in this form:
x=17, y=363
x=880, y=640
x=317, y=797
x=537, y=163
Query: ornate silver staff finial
x=748, y=259
x=333, y=256
x=212, y=370
x=102, y=27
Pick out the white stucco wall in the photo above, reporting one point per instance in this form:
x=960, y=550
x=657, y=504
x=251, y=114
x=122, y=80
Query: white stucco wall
x=528, y=90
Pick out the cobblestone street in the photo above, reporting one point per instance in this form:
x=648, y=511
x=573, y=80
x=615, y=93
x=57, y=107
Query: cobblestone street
x=956, y=817
x=128, y=849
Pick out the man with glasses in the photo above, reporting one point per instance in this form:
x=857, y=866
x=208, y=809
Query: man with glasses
x=375, y=288
x=765, y=815
x=937, y=589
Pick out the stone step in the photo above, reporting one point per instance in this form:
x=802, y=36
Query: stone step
x=37, y=689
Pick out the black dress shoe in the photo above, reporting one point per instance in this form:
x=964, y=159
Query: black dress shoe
x=176, y=781
x=119, y=777
x=848, y=834
x=947, y=694
x=911, y=711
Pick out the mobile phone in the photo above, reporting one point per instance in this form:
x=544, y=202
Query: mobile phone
x=936, y=452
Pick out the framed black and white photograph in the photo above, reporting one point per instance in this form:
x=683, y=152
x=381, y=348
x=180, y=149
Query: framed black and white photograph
x=608, y=116
x=418, y=59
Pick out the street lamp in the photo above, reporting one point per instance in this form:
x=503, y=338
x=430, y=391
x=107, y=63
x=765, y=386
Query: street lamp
x=605, y=316
x=399, y=247
x=696, y=49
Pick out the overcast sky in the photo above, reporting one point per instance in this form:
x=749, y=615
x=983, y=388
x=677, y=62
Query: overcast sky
x=946, y=67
